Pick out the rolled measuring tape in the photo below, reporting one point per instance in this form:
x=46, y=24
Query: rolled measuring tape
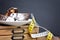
x=46, y=33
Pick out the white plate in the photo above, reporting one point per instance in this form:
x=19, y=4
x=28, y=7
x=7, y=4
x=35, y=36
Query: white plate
x=16, y=23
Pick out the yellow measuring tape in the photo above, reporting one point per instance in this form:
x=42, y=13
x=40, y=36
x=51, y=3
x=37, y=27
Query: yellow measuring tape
x=49, y=36
x=32, y=24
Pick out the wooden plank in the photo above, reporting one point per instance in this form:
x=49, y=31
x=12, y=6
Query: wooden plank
x=5, y=38
x=26, y=26
x=5, y=32
x=41, y=38
x=7, y=27
x=30, y=39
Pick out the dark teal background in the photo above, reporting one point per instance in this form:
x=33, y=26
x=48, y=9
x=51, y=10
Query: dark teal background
x=47, y=12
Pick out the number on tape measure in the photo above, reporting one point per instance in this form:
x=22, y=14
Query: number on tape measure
x=39, y=34
x=49, y=36
x=32, y=24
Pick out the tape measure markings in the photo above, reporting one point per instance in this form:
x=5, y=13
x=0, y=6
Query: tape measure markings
x=32, y=24
x=39, y=34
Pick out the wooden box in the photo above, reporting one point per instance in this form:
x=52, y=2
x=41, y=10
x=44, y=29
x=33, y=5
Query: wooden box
x=10, y=32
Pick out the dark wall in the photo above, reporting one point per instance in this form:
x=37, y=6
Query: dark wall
x=47, y=12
